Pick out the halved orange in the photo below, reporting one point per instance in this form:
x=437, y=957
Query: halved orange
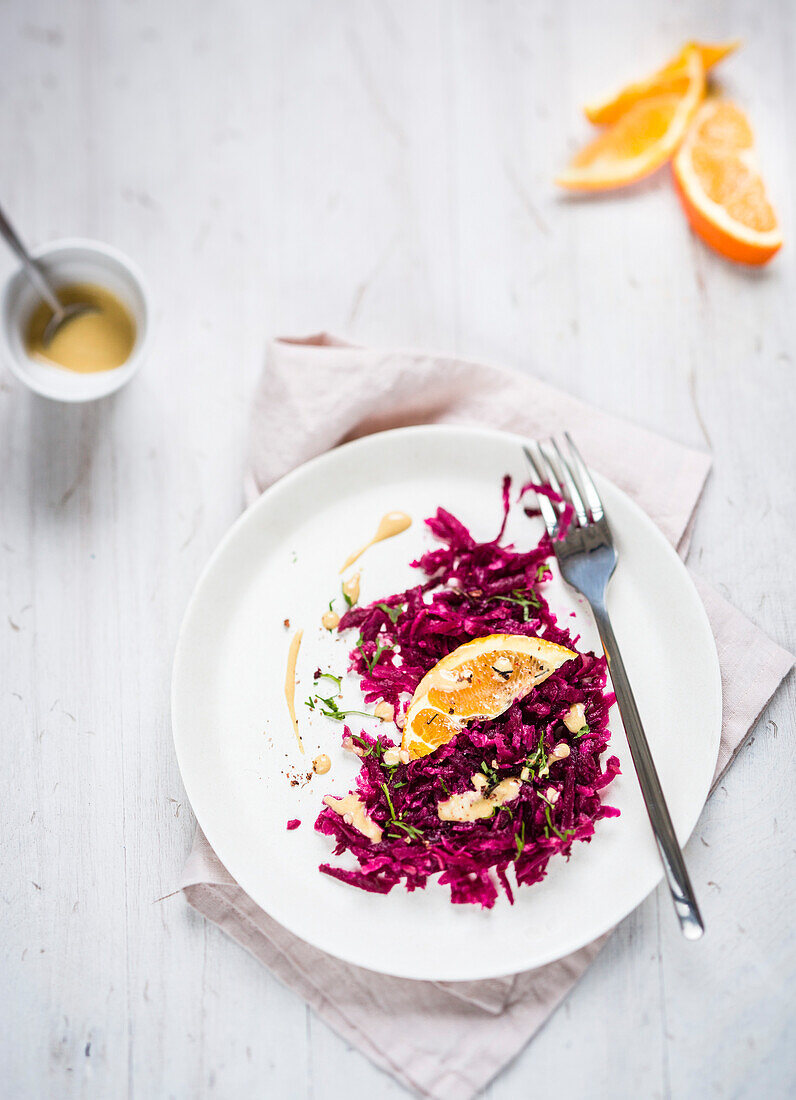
x=720, y=186
x=673, y=77
x=642, y=140
x=480, y=679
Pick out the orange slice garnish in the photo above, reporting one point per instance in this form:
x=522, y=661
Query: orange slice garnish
x=641, y=141
x=673, y=77
x=720, y=186
x=480, y=679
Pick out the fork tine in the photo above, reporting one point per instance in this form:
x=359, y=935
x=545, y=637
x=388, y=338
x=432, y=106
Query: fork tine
x=585, y=480
x=572, y=487
x=546, y=506
x=549, y=464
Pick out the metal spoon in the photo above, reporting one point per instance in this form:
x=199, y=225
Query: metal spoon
x=61, y=313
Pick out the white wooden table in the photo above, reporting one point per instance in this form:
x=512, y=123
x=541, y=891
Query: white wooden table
x=382, y=170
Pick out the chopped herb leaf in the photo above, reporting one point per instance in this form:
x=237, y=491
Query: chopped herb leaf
x=490, y=773
x=526, y=600
x=582, y=731
x=385, y=788
x=329, y=676
x=561, y=836
x=330, y=709
x=369, y=748
x=411, y=830
x=393, y=613
x=370, y=662
x=538, y=757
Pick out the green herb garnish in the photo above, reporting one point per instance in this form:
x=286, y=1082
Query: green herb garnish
x=582, y=731
x=538, y=756
x=385, y=788
x=330, y=709
x=561, y=836
x=414, y=833
x=526, y=600
x=519, y=840
x=393, y=613
x=375, y=747
x=370, y=662
x=489, y=772
x=329, y=676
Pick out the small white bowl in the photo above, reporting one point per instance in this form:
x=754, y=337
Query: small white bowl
x=74, y=261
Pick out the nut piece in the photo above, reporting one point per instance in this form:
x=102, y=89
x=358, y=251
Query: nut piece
x=392, y=757
x=575, y=718
x=385, y=711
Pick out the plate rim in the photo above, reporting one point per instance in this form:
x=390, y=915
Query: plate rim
x=247, y=517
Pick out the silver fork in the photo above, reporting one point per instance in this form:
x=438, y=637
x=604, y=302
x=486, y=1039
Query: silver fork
x=587, y=558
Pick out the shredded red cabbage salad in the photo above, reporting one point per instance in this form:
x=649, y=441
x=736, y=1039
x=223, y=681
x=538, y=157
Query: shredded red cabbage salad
x=472, y=590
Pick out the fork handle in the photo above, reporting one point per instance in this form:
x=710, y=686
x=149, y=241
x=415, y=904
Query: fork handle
x=682, y=892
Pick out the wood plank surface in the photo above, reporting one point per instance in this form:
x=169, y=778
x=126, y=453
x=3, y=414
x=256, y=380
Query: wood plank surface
x=382, y=170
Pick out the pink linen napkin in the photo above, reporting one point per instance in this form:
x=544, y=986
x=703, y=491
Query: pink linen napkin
x=314, y=394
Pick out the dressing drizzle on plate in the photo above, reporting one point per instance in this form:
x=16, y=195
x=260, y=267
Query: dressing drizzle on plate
x=390, y=524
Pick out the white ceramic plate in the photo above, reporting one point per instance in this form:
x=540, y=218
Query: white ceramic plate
x=236, y=748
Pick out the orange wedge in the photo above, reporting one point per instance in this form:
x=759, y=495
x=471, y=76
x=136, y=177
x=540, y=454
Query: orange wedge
x=673, y=77
x=642, y=140
x=720, y=186
x=480, y=679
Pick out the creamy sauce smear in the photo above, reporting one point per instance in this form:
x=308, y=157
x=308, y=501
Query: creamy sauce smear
x=353, y=812
x=474, y=805
x=91, y=342
x=351, y=589
x=290, y=683
x=391, y=524
x=321, y=764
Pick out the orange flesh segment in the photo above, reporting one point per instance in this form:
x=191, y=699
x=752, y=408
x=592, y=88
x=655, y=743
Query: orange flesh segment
x=640, y=128
x=672, y=77
x=640, y=141
x=721, y=188
x=436, y=729
x=491, y=684
x=480, y=679
x=725, y=178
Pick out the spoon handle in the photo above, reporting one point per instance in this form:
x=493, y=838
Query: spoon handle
x=31, y=268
